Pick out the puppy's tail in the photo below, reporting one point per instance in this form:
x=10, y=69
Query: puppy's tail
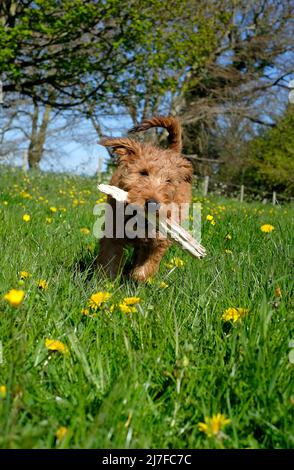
x=170, y=123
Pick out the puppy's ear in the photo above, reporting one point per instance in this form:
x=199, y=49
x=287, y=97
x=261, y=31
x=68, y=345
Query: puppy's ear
x=123, y=147
x=186, y=171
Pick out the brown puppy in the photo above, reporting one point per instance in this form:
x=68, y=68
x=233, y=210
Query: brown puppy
x=154, y=178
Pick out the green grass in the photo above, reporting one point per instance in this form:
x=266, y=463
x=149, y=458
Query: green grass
x=148, y=378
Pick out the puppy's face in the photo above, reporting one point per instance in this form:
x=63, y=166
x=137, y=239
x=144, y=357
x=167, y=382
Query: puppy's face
x=151, y=175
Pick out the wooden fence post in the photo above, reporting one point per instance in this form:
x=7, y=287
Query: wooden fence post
x=274, y=198
x=206, y=183
x=99, y=169
x=25, y=159
x=242, y=193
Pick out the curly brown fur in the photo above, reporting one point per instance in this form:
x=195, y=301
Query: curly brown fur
x=146, y=172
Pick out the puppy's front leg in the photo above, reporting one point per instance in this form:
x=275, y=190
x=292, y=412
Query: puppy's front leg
x=110, y=256
x=147, y=260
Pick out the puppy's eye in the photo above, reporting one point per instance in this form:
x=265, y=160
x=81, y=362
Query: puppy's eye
x=144, y=173
x=168, y=180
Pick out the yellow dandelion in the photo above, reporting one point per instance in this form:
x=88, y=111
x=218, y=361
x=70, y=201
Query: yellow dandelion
x=3, y=391
x=209, y=217
x=163, y=285
x=112, y=308
x=234, y=314
x=24, y=275
x=14, y=297
x=131, y=300
x=228, y=236
x=56, y=345
x=53, y=209
x=267, y=228
x=96, y=300
x=213, y=222
x=229, y=252
x=85, y=311
x=61, y=433
x=42, y=284
x=214, y=425
x=278, y=292
x=26, y=217
x=175, y=262
x=85, y=231
x=124, y=308
x=49, y=220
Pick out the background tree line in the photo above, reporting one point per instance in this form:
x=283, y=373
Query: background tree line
x=223, y=67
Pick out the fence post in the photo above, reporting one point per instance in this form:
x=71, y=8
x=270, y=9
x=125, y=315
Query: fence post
x=25, y=158
x=242, y=193
x=274, y=198
x=99, y=170
x=206, y=183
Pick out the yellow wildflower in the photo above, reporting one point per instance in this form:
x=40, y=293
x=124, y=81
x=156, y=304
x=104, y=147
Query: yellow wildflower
x=26, y=217
x=96, y=300
x=213, y=222
x=3, y=391
x=42, y=284
x=85, y=311
x=213, y=426
x=228, y=236
x=124, y=308
x=175, y=262
x=163, y=285
x=49, y=220
x=131, y=300
x=56, y=345
x=278, y=292
x=24, y=275
x=267, y=228
x=229, y=252
x=234, y=314
x=61, y=433
x=14, y=297
x=85, y=231
x=209, y=217
x=53, y=209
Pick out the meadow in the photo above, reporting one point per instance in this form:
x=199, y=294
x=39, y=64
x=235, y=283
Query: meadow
x=199, y=357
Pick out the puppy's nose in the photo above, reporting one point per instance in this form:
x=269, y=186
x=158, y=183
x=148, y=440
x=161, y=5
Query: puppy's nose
x=152, y=205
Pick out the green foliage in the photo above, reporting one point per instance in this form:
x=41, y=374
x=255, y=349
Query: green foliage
x=145, y=379
x=101, y=48
x=271, y=157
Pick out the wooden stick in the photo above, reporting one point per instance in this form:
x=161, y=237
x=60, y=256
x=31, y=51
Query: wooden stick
x=168, y=227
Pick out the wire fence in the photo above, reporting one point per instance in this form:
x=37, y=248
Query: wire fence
x=211, y=185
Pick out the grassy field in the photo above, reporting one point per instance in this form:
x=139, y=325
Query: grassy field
x=149, y=377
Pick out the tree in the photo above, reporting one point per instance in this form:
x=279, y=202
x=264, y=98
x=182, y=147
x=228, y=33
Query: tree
x=252, y=56
x=270, y=157
x=51, y=46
